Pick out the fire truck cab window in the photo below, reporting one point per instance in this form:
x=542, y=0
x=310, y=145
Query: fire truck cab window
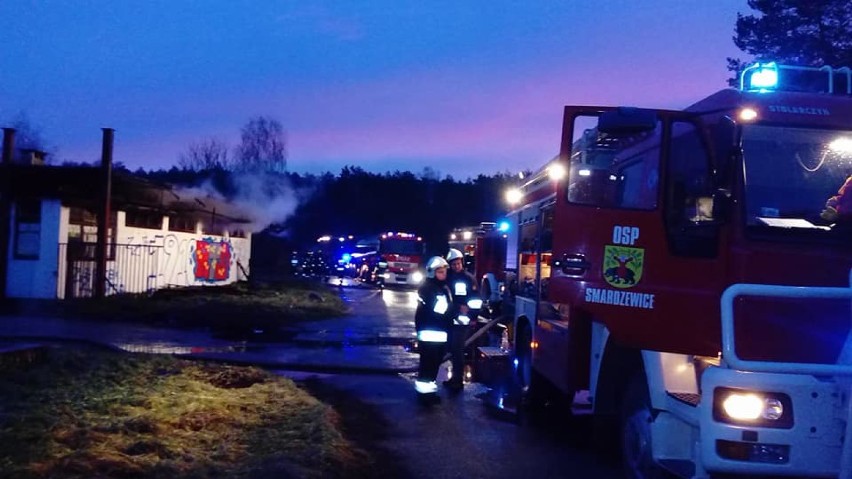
x=689, y=197
x=791, y=176
x=615, y=171
x=689, y=172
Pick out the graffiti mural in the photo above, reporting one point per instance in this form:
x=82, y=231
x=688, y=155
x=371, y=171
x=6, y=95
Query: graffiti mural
x=185, y=259
x=212, y=260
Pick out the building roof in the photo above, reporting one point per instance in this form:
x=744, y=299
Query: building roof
x=80, y=186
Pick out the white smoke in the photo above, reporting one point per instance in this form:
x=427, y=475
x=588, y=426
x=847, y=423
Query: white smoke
x=262, y=198
x=268, y=198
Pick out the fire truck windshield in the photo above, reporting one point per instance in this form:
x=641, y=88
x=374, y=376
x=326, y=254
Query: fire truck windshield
x=401, y=246
x=791, y=176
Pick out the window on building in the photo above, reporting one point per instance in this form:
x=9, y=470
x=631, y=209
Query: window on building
x=182, y=223
x=212, y=227
x=144, y=219
x=83, y=234
x=27, y=228
x=82, y=225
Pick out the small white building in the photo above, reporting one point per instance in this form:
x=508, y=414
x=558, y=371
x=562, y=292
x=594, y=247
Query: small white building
x=158, y=237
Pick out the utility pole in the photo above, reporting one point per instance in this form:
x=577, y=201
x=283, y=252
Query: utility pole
x=6, y=206
x=104, y=213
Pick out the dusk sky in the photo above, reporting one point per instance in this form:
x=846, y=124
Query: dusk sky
x=465, y=87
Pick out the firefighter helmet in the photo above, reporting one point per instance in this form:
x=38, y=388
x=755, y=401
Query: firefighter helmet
x=454, y=254
x=435, y=263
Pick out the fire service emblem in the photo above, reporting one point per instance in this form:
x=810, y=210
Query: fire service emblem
x=622, y=265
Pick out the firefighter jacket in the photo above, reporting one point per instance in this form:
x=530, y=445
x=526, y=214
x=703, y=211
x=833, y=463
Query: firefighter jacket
x=434, y=306
x=463, y=287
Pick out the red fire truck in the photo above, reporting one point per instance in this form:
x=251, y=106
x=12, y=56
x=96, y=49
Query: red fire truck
x=677, y=274
x=484, y=249
x=395, y=259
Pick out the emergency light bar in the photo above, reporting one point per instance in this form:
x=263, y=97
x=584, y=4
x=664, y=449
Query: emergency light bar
x=759, y=77
x=771, y=76
x=392, y=234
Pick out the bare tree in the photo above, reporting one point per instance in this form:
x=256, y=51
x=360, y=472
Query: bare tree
x=208, y=154
x=263, y=146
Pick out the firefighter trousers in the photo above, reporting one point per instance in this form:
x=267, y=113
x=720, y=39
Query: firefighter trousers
x=457, y=337
x=431, y=354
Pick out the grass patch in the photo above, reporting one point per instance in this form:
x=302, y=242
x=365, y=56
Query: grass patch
x=95, y=413
x=239, y=306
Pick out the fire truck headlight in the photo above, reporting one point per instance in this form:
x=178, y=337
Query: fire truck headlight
x=753, y=408
x=773, y=409
x=556, y=171
x=744, y=407
x=417, y=277
x=748, y=114
x=514, y=196
x=841, y=145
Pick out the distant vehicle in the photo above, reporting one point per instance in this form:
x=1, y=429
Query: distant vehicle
x=464, y=239
x=310, y=264
x=392, y=259
x=484, y=250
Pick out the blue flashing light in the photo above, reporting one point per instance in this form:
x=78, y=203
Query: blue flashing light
x=503, y=226
x=760, y=77
x=346, y=257
x=764, y=78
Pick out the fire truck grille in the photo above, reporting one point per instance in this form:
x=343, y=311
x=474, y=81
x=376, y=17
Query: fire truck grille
x=691, y=399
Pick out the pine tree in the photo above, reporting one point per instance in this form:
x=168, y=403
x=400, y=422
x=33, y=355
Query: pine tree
x=796, y=32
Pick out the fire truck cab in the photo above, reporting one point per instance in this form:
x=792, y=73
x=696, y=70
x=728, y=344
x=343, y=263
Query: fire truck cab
x=684, y=274
x=484, y=250
x=394, y=259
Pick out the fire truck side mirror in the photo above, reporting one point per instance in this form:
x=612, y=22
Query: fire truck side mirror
x=627, y=121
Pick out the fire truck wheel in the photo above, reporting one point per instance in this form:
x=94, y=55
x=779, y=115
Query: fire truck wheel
x=636, y=437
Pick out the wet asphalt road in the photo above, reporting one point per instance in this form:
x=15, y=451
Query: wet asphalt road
x=460, y=436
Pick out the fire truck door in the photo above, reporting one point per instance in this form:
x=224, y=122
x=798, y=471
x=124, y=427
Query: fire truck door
x=636, y=242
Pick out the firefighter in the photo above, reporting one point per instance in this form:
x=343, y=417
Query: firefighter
x=467, y=304
x=839, y=206
x=434, y=307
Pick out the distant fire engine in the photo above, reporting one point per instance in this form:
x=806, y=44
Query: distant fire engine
x=394, y=258
x=484, y=249
x=686, y=275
